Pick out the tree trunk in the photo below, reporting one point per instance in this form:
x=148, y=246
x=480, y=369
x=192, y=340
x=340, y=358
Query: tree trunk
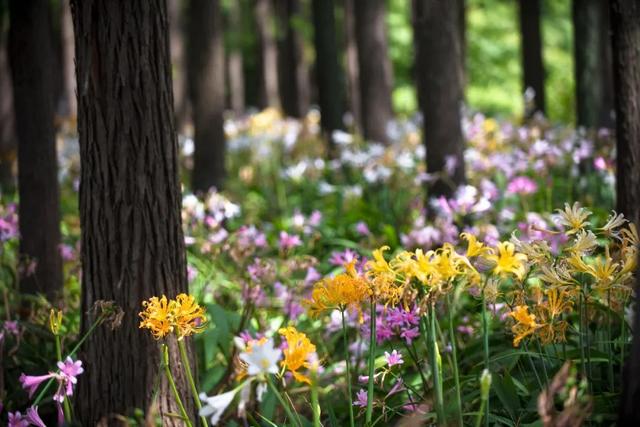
x=327, y=69
x=351, y=59
x=176, y=37
x=591, y=45
x=132, y=242
x=235, y=63
x=625, y=23
x=69, y=102
x=206, y=92
x=374, y=68
x=269, y=95
x=439, y=83
x=294, y=73
x=8, y=145
x=30, y=58
x=532, y=65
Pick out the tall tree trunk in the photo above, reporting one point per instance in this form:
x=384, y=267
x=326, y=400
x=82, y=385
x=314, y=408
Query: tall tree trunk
x=532, y=65
x=30, y=58
x=178, y=68
x=625, y=24
x=327, y=69
x=294, y=72
x=269, y=95
x=439, y=83
x=590, y=23
x=235, y=70
x=132, y=241
x=206, y=92
x=8, y=145
x=375, y=69
x=351, y=54
x=69, y=101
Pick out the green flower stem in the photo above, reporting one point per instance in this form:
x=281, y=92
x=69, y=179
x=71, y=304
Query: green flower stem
x=436, y=367
x=348, y=368
x=483, y=404
x=372, y=361
x=454, y=365
x=172, y=384
x=284, y=404
x=315, y=404
x=65, y=404
x=192, y=383
x=485, y=340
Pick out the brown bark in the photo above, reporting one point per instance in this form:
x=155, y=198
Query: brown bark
x=439, y=83
x=8, y=143
x=532, y=65
x=177, y=43
x=375, y=69
x=625, y=24
x=235, y=61
x=353, y=73
x=269, y=92
x=132, y=241
x=69, y=101
x=30, y=58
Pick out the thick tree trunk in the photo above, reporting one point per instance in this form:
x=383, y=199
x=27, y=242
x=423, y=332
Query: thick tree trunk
x=235, y=62
x=625, y=23
x=69, y=102
x=294, y=72
x=351, y=60
x=591, y=45
x=177, y=43
x=30, y=57
x=375, y=69
x=132, y=242
x=206, y=92
x=8, y=145
x=439, y=83
x=330, y=91
x=532, y=65
x=269, y=93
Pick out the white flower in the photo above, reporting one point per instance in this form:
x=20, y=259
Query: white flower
x=216, y=405
x=263, y=358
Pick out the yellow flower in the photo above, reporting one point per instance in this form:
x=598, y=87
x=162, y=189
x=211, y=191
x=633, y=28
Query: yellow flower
x=188, y=316
x=508, y=261
x=584, y=243
x=55, y=321
x=156, y=316
x=474, y=247
x=379, y=265
x=574, y=217
x=525, y=324
x=341, y=292
x=298, y=354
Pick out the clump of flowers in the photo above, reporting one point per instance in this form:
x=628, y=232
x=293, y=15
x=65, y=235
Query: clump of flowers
x=181, y=315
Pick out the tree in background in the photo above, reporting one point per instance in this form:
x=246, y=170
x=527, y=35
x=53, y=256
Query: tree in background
x=625, y=25
x=132, y=241
x=330, y=92
x=592, y=50
x=351, y=64
x=532, y=65
x=269, y=95
x=440, y=91
x=374, y=69
x=69, y=104
x=205, y=75
x=234, y=58
x=8, y=143
x=31, y=62
x=293, y=69
x=177, y=47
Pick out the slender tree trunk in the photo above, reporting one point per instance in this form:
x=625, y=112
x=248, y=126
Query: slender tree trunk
x=375, y=69
x=177, y=43
x=330, y=91
x=438, y=58
x=30, y=57
x=532, y=65
x=294, y=72
x=269, y=95
x=70, y=104
x=8, y=145
x=351, y=61
x=206, y=92
x=625, y=23
x=235, y=70
x=132, y=242
x=590, y=22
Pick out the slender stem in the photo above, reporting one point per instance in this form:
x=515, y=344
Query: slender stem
x=315, y=405
x=544, y=363
x=435, y=366
x=348, y=368
x=580, y=336
x=533, y=366
x=454, y=365
x=485, y=340
x=609, y=339
x=65, y=403
x=284, y=404
x=172, y=384
x=372, y=361
x=483, y=404
x=187, y=370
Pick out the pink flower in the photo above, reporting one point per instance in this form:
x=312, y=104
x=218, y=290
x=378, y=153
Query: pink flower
x=288, y=242
x=342, y=258
x=361, y=399
x=34, y=418
x=362, y=229
x=393, y=358
x=315, y=218
x=410, y=334
x=600, y=163
x=17, y=420
x=12, y=327
x=31, y=383
x=522, y=185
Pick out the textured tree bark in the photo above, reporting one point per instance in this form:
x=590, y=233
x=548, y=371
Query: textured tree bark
x=294, y=72
x=235, y=61
x=591, y=46
x=351, y=60
x=532, y=65
x=178, y=67
x=132, y=241
x=439, y=83
x=269, y=93
x=69, y=101
x=206, y=92
x=8, y=144
x=330, y=91
x=625, y=25
x=375, y=69
x=30, y=58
